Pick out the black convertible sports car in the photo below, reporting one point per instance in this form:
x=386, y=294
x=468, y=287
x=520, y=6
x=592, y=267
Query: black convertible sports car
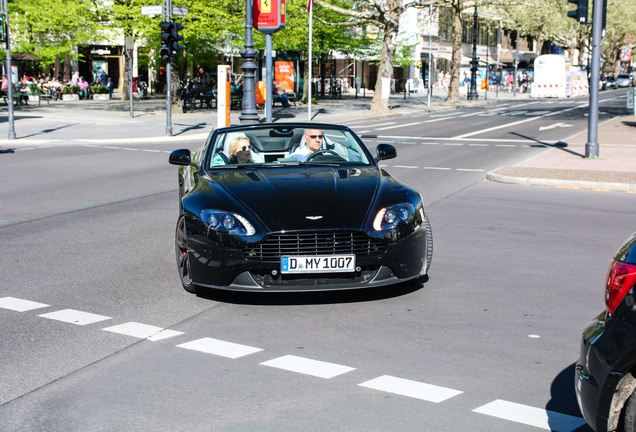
x=295, y=207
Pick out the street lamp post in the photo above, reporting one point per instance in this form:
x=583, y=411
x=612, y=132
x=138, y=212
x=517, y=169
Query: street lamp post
x=248, y=111
x=472, y=94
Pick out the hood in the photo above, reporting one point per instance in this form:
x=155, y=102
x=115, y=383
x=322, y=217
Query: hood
x=308, y=198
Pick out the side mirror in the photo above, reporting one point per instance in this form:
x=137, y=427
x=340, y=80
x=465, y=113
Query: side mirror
x=385, y=151
x=180, y=157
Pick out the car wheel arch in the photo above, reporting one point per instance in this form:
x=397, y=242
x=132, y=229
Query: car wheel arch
x=624, y=390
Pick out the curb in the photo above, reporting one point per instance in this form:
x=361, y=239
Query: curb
x=575, y=184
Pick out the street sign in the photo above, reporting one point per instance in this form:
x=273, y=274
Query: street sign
x=179, y=11
x=152, y=10
x=158, y=10
x=269, y=15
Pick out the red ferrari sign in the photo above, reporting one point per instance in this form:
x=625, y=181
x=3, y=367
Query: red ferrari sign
x=269, y=15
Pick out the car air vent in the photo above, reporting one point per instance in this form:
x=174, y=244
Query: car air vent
x=274, y=246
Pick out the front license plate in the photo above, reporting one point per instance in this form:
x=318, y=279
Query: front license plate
x=318, y=264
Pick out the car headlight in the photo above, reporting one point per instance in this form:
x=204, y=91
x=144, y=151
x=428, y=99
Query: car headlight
x=391, y=217
x=227, y=222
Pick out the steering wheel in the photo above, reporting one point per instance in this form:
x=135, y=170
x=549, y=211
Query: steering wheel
x=323, y=152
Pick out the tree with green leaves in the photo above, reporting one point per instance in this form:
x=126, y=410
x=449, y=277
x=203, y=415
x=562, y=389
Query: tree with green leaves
x=385, y=14
x=49, y=27
x=621, y=22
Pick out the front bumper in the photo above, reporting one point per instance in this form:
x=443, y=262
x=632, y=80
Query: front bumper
x=220, y=266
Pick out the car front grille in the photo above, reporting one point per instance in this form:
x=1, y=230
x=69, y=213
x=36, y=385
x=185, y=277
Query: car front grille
x=274, y=246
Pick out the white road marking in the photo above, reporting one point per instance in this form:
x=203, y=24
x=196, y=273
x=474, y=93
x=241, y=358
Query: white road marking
x=307, y=366
x=469, y=169
x=439, y=119
x=20, y=305
x=381, y=124
x=413, y=389
x=518, y=122
x=404, y=166
x=505, y=145
x=73, y=316
x=453, y=144
x=221, y=348
x=472, y=114
x=437, y=168
x=143, y=331
x=478, y=145
x=400, y=125
x=537, y=417
x=488, y=140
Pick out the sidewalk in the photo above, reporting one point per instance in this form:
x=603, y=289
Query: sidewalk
x=100, y=122
x=559, y=166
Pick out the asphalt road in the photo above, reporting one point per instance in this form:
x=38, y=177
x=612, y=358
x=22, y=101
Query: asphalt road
x=486, y=344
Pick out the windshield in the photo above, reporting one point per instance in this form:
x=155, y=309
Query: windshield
x=284, y=145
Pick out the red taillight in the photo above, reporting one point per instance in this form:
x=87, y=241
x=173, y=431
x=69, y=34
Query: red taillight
x=620, y=279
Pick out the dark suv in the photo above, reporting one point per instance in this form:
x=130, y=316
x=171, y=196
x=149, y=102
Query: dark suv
x=605, y=381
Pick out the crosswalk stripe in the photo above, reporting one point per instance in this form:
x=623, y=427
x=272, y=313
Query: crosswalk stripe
x=73, y=316
x=413, y=389
x=307, y=366
x=537, y=417
x=143, y=331
x=20, y=305
x=218, y=347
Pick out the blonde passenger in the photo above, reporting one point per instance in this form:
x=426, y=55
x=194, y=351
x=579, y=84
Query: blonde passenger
x=240, y=151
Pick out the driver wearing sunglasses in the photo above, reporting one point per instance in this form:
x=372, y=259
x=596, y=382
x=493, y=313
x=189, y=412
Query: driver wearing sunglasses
x=240, y=151
x=312, y=140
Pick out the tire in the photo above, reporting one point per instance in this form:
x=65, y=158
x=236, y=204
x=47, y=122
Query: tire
x=183, y=257
x=429, y=243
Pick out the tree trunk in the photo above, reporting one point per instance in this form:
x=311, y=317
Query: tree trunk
x=380, y=101
x=453, y=88
x=306, y=84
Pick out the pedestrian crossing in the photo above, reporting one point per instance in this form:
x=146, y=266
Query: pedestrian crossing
x=539, y=418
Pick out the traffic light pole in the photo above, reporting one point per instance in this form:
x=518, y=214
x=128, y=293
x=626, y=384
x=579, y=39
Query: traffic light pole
x=167, y=16
x=248, y=112
x=592, y=146
x=5, y=11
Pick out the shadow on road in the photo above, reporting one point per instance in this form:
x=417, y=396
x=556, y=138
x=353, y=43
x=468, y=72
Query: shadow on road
x=563, y=400
x=314, y=298
x=561, y=145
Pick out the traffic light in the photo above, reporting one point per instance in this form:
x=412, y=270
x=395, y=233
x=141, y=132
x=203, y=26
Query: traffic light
x=176, y=37
x=166, y=40
x=170, y=39
x=580, y=13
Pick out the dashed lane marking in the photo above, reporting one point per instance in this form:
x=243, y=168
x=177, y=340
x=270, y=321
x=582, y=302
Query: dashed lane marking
x=514, y=412
x=73, y=316
x=413, y=389
x=307, y=366
x=397, y=126
x=531, y=416
x=143, y=331
x=19, y=305
x=221, y=348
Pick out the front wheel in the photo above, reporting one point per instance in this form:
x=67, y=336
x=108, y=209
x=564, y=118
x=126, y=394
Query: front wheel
x=183, y=257
x=429, y=243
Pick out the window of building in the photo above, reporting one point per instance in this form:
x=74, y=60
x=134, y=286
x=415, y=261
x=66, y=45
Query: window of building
x=445, y=27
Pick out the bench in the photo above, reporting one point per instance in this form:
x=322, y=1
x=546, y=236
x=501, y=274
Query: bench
x=291, y=97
